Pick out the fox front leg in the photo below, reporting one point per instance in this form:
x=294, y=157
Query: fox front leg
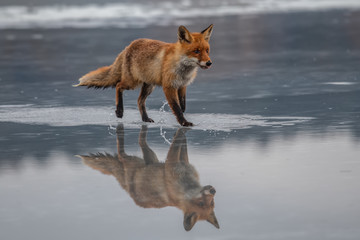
x=172, y=97
x=182, y=98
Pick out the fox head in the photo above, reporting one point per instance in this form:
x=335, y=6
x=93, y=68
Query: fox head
x=195, y=46
x=201, y=207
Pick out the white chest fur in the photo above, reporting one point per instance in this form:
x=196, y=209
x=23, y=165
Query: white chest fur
x=185, y=72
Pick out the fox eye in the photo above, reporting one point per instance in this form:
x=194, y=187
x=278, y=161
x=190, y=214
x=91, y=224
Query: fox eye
x=207, y=50
x=197, y=51
x=201, y=204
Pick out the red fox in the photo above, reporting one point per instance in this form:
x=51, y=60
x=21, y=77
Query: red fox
x=151, y=63
x=153, y=184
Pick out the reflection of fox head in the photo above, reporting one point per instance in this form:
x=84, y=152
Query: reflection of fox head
x=196, y=46
x=200, y=207
x=153, y=184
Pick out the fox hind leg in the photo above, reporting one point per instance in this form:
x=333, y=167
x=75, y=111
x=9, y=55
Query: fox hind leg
x=119, y=101
x=146, y=90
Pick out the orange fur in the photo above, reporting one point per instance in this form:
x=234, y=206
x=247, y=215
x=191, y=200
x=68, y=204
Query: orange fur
x=149, y=63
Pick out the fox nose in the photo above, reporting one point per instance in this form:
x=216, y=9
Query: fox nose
x=208, y=63
x=209, y=189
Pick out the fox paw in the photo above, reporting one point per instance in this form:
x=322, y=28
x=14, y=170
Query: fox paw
x=187, y=124
x=119, y=114
x=148, y=120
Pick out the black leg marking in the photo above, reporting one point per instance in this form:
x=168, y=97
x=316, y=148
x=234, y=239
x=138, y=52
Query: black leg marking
x=182, y=98
x=146, y=90
x=119, y=104
x=173, y=99
x=182, y=101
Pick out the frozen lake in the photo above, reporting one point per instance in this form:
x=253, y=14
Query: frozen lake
x=276, y=132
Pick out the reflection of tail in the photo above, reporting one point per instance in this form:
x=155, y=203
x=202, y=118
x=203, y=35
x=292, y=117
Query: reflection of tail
x=100, y=78
x=105, y=163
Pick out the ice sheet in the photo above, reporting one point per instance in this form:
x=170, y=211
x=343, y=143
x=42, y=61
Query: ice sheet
x=100, y=115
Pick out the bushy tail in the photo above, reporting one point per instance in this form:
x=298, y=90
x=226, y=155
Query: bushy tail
x=105, y=163
x=100, y=78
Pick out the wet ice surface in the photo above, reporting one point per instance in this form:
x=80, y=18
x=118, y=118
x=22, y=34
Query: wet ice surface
x=277, y=132
x=99, y=115
x=266, y=183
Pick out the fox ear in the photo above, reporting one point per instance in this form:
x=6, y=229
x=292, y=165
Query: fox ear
x=212, y=219
x=189, y=220
x=184, y=35
x=207, y=32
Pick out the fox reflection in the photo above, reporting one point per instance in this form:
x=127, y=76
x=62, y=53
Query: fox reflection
x=154, y=184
